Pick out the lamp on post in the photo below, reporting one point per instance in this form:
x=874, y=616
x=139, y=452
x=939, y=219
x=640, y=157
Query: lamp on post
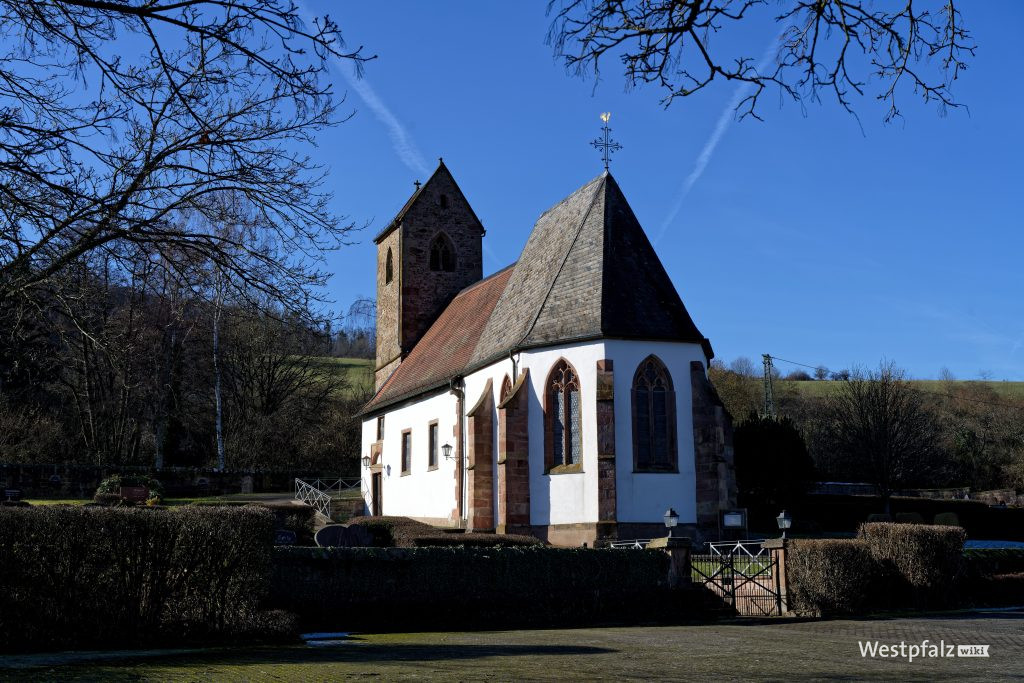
x=671, y=520
x=447, y=451
x=366, y=461
x=784, y=521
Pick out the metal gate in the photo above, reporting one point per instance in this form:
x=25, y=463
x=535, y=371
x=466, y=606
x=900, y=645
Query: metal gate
x=742, y=574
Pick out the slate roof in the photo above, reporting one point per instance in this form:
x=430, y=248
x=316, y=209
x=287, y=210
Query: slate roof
x=587, y=271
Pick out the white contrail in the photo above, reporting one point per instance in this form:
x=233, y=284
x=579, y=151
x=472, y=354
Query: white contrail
x=724, y=119
x=404, y=146
x=402, y=142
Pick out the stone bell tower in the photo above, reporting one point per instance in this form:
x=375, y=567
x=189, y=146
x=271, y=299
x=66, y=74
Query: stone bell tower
x=430, y=251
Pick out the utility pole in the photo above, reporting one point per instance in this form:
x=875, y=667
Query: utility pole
x=769, y=398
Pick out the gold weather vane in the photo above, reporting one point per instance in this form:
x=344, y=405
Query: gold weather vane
x=606, y=144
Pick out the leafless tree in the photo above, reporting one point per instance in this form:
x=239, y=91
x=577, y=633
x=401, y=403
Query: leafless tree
x=882, y=428
x=276, y=390
x=122, y=124
x=824, y=47
x=821, y=373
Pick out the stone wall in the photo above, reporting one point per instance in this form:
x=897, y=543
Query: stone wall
x=389, y=349
x=514, y=460
x=481, y=462
x=606, y=493
x=416, y=296
x=713, y=453
x=425, y=292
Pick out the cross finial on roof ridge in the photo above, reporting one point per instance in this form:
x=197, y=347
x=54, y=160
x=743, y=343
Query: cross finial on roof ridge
x=605, y=143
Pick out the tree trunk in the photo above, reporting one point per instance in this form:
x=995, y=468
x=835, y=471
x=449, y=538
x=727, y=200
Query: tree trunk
x=216, y=390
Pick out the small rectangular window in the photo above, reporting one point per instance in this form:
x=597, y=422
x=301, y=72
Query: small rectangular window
x=406, y=451
x=432, y=445
x=380, y=428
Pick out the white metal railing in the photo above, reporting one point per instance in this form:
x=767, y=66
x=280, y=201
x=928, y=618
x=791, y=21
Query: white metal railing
x=750, y=548
x=311, y=495
x=639, y=543
x=334, y=486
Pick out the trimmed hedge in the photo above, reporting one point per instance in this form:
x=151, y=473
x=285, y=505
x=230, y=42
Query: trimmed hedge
x=888, y=565
x=460, y=587
x=820, y=512
x=830, y=576
x=403, y=532
x=989, y=561
x=920, y=562
x=998, y=590
x=93, y=576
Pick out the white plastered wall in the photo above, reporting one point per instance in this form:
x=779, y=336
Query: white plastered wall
x=423, y=493
x=644, y=497
x=560, y=498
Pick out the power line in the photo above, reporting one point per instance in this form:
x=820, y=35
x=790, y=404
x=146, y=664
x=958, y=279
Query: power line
x=913, y=388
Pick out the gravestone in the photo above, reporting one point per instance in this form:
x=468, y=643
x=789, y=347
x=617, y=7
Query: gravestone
x=134, y=494
x=341, y=536
x=284, y=537
x=247, y=484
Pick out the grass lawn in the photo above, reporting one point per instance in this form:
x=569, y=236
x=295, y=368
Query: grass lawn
x=357, y=372
x=782, y=650
x=203, y=500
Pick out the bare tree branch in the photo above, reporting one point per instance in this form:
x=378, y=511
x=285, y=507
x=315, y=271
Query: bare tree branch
x=131, y=155
x=824, y=46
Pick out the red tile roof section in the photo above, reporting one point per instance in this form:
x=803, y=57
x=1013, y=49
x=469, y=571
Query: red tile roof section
x=447, y=347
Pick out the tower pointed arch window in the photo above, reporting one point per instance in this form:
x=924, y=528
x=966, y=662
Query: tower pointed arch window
x=654, y=418
x=442, y=253
x=562, y=409
x=389, y=267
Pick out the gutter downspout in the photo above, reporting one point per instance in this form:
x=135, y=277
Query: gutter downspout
x=458, y=387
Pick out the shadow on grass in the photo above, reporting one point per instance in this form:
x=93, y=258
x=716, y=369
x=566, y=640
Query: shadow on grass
x=352, y=651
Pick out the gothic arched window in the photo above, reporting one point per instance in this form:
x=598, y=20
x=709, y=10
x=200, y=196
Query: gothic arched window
x=389, y=267
x=654, y=418
x=506, y=388
x=442, y=253
x=562, y=417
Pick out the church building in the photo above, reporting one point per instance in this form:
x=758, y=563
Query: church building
x=565, y=396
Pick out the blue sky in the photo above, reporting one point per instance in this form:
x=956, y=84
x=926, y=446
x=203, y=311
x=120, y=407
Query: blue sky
x=809, y=236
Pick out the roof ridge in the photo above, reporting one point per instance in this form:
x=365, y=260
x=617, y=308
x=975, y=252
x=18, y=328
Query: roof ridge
x=484, y=280
x=579, y=229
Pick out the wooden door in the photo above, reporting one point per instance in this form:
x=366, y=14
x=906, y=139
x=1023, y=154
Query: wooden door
x=376, y=504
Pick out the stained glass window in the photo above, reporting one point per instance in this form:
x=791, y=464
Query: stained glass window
x=564, y=416
x=654, y=439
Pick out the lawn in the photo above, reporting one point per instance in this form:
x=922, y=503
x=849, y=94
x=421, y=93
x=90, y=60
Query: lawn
x=229, y=499
x=784, y=649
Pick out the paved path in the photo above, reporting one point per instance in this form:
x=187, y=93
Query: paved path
x=783, y=651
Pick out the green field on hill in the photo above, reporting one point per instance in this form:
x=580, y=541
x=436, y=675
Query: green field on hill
x=356, y=372
x=816, y=389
